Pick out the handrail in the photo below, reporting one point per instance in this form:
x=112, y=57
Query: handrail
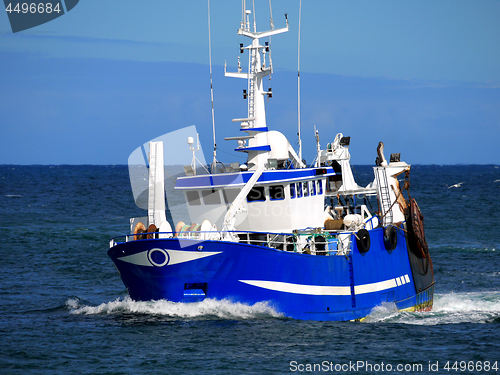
x=299, y=233
x=278, y=241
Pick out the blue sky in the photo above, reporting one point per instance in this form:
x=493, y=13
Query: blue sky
x=90, y=86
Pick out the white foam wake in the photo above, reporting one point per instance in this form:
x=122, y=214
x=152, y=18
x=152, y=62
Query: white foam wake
x=450, y=308
x=208, y=308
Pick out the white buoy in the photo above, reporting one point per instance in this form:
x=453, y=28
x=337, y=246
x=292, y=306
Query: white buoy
x=165, y=230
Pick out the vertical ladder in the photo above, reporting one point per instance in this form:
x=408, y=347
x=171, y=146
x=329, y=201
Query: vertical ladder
x=251, y=91
x=384, y=195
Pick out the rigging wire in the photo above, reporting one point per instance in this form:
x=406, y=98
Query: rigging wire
x=214, y=161
x=298, y=84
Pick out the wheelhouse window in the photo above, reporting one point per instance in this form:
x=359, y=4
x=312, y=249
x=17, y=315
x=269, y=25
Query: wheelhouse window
x=193, y=198
x=257, y=194
x=292, y=191
x=211, y=196
x=230, y=195
x=299, y=189
x=319, y=184
x=313, y=187
x=276, y=192
x=306, y=188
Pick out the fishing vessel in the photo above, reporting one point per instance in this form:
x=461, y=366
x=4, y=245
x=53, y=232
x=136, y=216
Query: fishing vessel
x=306, y=239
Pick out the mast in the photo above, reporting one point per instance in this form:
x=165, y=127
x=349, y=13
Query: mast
x=255, y=143
x=214, y=161
x=298, y=84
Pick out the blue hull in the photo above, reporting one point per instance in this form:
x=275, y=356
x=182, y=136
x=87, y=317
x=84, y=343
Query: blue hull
x=301, y=286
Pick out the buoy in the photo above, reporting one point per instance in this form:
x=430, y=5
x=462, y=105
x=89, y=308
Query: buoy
x=333, y=224
x=138, y=230
x=165, y=230
x=151, y=232
x=209, y=231
x=184, y=230
x=178, y=228
x=353, y=221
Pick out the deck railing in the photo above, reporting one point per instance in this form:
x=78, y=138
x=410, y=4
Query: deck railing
x=322, y=243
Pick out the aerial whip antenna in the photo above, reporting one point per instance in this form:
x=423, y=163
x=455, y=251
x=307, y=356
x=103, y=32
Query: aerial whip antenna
x=271, y=22
x=254, y=20
x=298, y=84
x=214, y=161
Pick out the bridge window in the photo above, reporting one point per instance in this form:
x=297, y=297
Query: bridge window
x=306, y=188
x=256, y=194
x=211, y=196
x=299, y=189
x=313, y=187
x=230, y=195
x=292, y=190
x=193, y=198
x=276, y=192
x=319, y=183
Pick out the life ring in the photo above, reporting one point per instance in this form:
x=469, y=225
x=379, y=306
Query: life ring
x=151, y=232
x=139, y=229
x=363, y=240
x=390, y=237
x=416, y=234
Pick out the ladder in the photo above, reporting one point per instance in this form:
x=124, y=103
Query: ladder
x=251, y=87
x=251, y=101
x=384, y=195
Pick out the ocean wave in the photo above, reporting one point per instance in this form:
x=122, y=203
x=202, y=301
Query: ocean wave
x=450, y=308
x=463, y=248
x=206, y=309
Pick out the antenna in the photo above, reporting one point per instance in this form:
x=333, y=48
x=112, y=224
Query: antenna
x=298, y=85
x=271, y=22
x=254, y=20
x=318, y=147
x=214, y=161
x=243, y=7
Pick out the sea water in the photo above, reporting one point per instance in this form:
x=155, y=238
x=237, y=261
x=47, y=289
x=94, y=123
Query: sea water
x=64, y=309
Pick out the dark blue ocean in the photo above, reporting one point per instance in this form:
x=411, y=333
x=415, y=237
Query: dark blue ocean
x=64, y=309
